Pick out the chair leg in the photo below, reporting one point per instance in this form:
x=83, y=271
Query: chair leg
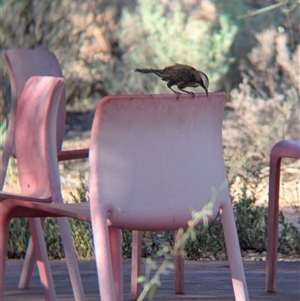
x=28, y=264
x=234, y=254
x=103, y=254
x=71, y=259
x=27, y=267
x=4, y=229
x=116, y=258
x=40, y=253
x=179, y=266
x=272, y=227
x=136, y=264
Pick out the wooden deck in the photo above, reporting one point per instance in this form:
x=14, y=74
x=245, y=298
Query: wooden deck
x=209, y=281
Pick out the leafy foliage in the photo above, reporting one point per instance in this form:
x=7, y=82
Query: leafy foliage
x=264, y=108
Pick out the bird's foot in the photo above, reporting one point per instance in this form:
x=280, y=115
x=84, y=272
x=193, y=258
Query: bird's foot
x=188, y=92
x=177, y=95
x=191, y=93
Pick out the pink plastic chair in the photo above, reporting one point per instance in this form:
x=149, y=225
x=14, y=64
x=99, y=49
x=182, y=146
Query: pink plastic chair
x=22, y=64
x=35, y=145
x=153, y=160
x=282, y=149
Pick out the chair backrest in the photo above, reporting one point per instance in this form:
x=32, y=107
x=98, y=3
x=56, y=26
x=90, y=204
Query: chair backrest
x=35, y=136
x=153, y=160
x=23, y=64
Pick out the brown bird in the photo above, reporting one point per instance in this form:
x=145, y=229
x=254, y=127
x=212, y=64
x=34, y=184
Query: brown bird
x=182, y=76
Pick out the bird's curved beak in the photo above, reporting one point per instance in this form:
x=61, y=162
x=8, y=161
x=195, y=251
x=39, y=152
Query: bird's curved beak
x=205, y=88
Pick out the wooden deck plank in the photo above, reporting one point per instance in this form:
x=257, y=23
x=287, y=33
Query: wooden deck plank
x=204, y=280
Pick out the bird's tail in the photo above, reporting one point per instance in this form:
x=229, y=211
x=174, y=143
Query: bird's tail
x=146, y=70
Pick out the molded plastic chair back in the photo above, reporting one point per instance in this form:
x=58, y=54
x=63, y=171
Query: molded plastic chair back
x=157, y=158
x=22, y=64
x=153, y=161
x=30, y=135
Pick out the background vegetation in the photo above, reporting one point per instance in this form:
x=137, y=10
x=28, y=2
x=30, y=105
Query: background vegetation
x=249, y=48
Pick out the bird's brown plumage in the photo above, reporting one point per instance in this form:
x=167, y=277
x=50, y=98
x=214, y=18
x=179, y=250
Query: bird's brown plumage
x=182, y=76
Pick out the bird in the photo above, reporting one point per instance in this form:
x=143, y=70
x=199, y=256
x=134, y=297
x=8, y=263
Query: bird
x=182, y=76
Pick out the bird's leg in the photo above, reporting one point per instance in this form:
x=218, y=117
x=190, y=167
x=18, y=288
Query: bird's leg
x=188, y=92
x=170, y=84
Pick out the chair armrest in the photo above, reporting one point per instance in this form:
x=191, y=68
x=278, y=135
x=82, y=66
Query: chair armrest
x=73, y=154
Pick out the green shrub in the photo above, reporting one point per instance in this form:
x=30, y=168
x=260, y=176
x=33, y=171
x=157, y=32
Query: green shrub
x=18, y=238
x=264, y=108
